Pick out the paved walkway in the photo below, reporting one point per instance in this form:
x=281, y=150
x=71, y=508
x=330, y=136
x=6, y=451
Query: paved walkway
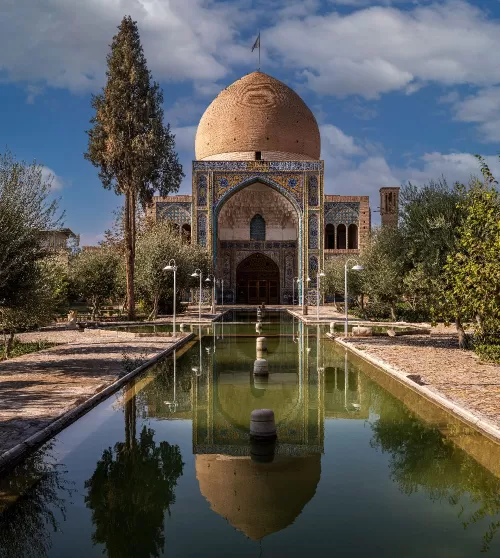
x=436, y=361
x=37, y=388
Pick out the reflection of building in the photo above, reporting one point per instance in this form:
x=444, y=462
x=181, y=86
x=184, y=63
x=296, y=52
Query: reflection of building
x=57, y=240
x=218, y=391
x=258, y=200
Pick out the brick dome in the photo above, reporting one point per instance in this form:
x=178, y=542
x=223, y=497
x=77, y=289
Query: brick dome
x=258, y=113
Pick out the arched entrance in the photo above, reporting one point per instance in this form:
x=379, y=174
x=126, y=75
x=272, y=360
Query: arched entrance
x=257, y=280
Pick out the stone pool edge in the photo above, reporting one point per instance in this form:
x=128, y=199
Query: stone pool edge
x=484, y=426
x=12, y=456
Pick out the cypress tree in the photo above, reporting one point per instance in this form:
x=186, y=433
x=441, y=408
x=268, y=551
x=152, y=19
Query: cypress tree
x=129, y=142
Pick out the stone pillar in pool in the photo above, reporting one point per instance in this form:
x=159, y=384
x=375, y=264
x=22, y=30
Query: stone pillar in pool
x=262, y=425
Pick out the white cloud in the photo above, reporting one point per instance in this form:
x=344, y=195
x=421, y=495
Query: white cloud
x=379, y=49
x=370, y=50
x=64, y=44
x=48, y=175
x=482, y=108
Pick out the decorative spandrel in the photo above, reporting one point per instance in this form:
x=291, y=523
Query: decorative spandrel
x=313, y=196
x=202, y=190
x=313, y=232
x=289, y=184
x=202, y=229
x=341, y=213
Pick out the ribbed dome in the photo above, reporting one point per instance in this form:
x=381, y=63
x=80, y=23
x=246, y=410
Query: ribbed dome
x=258, y=113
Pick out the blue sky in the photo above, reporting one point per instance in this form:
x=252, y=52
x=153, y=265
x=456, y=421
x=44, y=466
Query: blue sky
x=401, y=90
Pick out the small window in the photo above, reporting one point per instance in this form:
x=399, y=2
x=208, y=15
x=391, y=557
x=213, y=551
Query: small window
x=352, y=236
x=330, y=237
x=258, y=155
x=257, y=228
x=341, y=237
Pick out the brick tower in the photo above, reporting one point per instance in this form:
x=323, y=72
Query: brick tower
x=389, y=205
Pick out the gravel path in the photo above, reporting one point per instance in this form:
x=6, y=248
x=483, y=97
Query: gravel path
x=37, y=388
x=436, y=358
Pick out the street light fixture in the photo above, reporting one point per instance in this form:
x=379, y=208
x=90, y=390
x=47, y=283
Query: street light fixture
x=172, y=267
x=356, y=267
x=318, y=287
x=211, y=277
x=197, y=273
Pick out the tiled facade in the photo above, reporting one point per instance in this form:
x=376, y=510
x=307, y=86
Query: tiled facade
x=267, y=182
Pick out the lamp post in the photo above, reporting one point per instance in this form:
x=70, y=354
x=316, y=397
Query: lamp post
x=293, y=289
x=172, y=267
x=221, y=282
x=197, y=273
x=306, y=281
x=356, y=267
x=211, y=277
x=318, y=287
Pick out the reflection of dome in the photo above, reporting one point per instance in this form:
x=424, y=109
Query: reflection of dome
x=258, y=498
x=258, y=113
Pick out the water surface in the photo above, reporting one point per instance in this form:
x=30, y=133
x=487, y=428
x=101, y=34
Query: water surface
x=362, y=467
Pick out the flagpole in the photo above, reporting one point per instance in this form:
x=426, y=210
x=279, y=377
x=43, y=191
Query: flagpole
x=259, y=51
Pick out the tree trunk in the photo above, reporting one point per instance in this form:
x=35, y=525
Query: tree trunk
x=463, y=340
x=154, y=312
x=129, y=230
x=8, y=342
x=393, y=313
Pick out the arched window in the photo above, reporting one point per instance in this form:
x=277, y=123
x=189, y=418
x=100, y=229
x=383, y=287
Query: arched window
x=352, y=236
x=257, y=228
x=341, y=237
x=330, y=237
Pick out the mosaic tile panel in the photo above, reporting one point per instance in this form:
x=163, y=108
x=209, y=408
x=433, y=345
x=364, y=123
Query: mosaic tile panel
x=280, y=166
x=313, y=191
x=202, y=190
x=202, y=229
x=341, y=213
x=313, y=270
x=179, y=213
x=313, y=232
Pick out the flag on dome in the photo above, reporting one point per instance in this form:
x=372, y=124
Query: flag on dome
x=257, y=43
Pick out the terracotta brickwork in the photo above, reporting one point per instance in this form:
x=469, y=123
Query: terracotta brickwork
x=389, y=205
x=258, y=113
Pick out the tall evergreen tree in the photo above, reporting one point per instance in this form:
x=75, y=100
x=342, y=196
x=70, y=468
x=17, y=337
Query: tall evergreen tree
x=129, y=142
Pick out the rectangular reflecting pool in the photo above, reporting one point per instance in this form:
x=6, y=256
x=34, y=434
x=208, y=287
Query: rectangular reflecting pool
x=362, y=465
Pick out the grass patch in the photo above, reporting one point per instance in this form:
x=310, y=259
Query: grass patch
x=19, y=348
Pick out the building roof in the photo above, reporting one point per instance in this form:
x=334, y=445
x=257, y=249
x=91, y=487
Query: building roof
x=258, y=113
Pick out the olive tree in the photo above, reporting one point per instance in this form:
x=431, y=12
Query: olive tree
x=156, y=246
x=94, y=276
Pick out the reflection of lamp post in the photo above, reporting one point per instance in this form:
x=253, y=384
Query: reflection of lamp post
x=172, y=267
x=197, y=273
x=173, y=404
x=318, y=286
x=357, y=267
x=211, y=277
x=197, y=369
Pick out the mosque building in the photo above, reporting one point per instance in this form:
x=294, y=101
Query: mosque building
x=258, y=201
